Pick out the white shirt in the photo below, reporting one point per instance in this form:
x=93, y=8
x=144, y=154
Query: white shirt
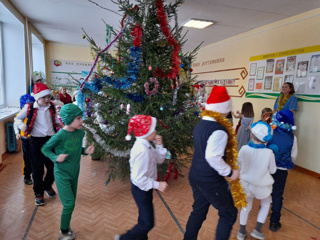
x=143, y=164
x=257, y=165
x=216, y=145
x=42, y=126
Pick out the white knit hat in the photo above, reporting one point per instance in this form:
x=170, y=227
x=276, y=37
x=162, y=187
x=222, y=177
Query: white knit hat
x=262, y=131
x=219, y=100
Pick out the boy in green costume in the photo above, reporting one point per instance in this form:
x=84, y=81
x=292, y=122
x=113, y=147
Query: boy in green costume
x=65, y=149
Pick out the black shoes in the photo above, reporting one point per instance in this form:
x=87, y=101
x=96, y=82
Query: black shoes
x=39, y=200
x=51, y=193
x=274, y=226
x=28, y=181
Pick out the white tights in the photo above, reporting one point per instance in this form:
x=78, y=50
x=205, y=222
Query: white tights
x=263, y=212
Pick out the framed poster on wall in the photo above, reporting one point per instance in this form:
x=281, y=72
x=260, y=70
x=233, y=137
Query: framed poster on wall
x=299, y=66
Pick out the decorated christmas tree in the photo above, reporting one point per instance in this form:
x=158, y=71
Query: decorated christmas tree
x=148, y=75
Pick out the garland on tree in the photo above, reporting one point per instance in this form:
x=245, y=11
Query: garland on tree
x=239, y=197
x=162, y=18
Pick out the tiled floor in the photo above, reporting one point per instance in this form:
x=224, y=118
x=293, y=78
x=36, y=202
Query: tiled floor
x=103, y=211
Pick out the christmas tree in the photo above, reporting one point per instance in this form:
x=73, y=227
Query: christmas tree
x=149, y=75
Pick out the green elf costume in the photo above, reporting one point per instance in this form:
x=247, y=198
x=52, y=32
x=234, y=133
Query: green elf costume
x=67, y=172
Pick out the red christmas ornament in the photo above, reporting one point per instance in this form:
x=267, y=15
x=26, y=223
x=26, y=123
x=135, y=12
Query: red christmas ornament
x=150, y=68
x=191, y=70
x=87, y=100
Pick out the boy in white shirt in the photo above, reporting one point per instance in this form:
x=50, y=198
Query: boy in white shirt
x=143, y=172
x=41, y=125
x=257, y=163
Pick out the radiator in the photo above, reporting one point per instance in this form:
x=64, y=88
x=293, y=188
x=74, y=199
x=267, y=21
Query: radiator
x=11, y=138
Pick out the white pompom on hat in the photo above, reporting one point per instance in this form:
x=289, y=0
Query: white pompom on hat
x=142, y=126
x=262, y=131
x=219, y=100
x=40, y=90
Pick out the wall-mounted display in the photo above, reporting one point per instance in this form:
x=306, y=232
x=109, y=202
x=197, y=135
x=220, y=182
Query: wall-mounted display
x=315, y=63
x=279, y=66
x=260, y=73
x=302, y=69
x=299, y=66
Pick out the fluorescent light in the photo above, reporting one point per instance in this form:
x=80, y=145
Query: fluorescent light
x=197, y=23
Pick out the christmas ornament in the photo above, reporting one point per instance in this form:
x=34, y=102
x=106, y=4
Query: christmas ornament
x=150, y=68
x=83, y=36
x=182, y=65
x=191, y=69
x=87, y=100
x=155, y=88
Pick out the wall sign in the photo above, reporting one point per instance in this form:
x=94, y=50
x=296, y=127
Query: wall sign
x=299, y=66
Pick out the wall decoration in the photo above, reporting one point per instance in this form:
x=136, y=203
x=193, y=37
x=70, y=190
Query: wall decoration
x=277, y=84
x=302, y=69
x=251, y=84
x=291, y=64
x=258, y=86
x=288, y=78
x=267, y=83
x=253, y=69
x=315, y=63
x=64, y=72
x=313, y=84
x=270, y=64
x=299, y=66
x=260, y=73
x=279, y=66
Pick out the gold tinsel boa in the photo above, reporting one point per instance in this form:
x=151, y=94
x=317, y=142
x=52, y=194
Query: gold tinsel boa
x=283, y=100
x=239, y=197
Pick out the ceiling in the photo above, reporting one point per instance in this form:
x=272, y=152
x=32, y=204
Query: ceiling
x=61, y=20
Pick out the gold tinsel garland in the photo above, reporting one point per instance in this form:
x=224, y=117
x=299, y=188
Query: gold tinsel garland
x=239, y=197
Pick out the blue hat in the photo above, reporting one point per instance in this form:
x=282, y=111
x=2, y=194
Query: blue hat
x=262, y=131
x=284, y=120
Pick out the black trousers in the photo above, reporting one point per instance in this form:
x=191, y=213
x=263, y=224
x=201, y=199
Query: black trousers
x=146, y=215
x=204, y=195
x=27, y=169
x=280, y=179
x=38, y=161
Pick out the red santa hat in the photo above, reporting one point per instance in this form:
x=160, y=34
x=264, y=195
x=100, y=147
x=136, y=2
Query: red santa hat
x=40, y=90
x=142, y=126
x=219, y=100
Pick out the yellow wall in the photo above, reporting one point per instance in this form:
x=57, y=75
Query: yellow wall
x=299, y=31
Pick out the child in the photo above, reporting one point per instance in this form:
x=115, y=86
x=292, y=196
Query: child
x=209, y=169
x=56, y=100
x=65, y=149
x=266, y=115
x=41, y=125
x=256, y=163
x=143, y=172
x=246, y=116
x=284, y=140
x=27, y=169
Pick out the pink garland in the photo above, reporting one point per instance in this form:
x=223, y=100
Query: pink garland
x=97, y=57
x=162, y=18
x=155, y=89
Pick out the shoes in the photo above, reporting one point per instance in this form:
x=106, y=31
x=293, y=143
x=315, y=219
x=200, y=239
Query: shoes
x=68, y=236
x=39, y=200
x=274, y=226
x=28, y=181
x=258, y=235
x=117, y=237
x=51, y=193
x=241, y=236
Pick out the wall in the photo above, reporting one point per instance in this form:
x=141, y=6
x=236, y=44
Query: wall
x=299, y=31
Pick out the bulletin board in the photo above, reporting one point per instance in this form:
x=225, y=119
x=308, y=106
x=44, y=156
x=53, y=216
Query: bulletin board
x=63, y=72
x=299, y=66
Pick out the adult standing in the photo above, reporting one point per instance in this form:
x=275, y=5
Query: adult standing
x=64, y=96
x=286, y=100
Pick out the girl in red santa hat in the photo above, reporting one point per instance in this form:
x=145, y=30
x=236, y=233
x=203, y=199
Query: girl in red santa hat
x=41, y=125
x=143, y=172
